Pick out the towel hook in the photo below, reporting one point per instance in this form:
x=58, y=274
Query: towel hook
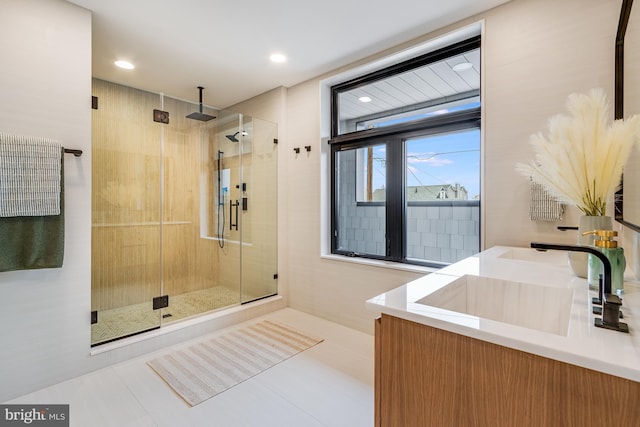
x=76, y=153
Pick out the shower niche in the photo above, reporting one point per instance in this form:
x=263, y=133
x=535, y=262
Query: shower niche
x=184, y=213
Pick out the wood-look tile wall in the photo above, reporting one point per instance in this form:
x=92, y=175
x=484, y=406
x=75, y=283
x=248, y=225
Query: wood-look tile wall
x=145, y=172
x=154, y=183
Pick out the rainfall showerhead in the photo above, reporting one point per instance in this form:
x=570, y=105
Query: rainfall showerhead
x=200, y=115
x=233, y=138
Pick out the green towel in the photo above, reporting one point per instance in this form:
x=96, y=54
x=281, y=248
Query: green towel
x=30, y=242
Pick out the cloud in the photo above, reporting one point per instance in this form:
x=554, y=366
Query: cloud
x=429, y=160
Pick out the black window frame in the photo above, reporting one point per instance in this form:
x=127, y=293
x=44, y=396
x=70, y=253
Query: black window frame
x=419, y=61
x=394, y=136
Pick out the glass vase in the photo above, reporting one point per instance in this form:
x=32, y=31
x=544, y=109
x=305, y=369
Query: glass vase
x=579, y=261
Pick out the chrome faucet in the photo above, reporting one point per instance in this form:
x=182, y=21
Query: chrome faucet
x=611, y=303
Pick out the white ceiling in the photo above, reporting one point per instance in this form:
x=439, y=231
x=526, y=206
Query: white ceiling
x=225, y=45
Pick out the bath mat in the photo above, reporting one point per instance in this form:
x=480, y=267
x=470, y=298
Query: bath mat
x=202, y=370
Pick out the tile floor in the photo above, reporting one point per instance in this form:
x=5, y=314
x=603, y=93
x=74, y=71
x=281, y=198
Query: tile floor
x=130, y=319
x=330, y=384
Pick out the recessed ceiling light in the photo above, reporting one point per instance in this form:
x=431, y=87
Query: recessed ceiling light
x=124, y=64
x=278, y=57
x=462, y=66
x=364, y=99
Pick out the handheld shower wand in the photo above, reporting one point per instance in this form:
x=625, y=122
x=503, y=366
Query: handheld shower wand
x=220, y=209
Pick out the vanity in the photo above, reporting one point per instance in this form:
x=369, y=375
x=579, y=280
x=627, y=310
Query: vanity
x=504, y=338
x=507, y=337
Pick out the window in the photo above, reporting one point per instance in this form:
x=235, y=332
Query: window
x=406, y=160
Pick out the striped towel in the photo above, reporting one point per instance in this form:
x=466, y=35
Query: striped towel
x=30, y=172
x=543, y=206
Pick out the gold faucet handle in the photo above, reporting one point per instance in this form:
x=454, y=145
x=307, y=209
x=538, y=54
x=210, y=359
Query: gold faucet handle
x=602, y=233
x=604, y=238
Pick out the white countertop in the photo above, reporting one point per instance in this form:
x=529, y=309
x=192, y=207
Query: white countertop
x=581, y=343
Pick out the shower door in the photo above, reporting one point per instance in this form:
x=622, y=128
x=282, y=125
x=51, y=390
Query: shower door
x=243, y=204
x=258, y=197
x=184, y=211
x=126, y=212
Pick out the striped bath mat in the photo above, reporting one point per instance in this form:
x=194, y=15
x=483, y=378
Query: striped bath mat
x=209, y=367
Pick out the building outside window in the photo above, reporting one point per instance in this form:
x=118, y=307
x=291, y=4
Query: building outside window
x=406, y=160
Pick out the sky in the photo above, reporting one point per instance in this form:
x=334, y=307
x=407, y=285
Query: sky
x=438, y=159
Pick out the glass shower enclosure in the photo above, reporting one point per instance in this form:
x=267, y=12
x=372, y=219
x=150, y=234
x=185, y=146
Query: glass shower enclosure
x=184, y=212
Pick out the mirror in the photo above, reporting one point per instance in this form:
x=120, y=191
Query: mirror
x=627, y=103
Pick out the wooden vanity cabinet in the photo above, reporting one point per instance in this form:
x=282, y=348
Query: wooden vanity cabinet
x=426, y=376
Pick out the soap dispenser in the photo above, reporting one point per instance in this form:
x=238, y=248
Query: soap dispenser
x=604, y=242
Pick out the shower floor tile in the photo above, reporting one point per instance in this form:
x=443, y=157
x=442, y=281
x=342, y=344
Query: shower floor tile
x=122, y=321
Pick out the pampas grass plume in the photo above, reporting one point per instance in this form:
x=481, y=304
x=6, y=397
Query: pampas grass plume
x=581, y=159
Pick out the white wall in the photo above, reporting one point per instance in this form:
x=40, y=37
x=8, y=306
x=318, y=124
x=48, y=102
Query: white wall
x=45, y=82
x=535, y=53
x=331, y=289
x=318, y=283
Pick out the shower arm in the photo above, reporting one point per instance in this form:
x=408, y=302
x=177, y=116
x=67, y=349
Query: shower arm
x=200, y=89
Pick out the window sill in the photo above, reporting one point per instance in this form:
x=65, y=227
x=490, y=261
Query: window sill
x=381, y=264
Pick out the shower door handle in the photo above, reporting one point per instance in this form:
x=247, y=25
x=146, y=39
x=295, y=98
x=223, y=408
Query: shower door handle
x=231, y=205
x=237, y=205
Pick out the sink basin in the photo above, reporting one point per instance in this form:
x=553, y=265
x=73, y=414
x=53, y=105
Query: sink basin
x=543, y=308
x=532, y=255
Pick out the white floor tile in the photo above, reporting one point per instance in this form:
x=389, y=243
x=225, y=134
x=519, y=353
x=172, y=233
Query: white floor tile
x=326, y=382
x=330, y=384
x=100, y=398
